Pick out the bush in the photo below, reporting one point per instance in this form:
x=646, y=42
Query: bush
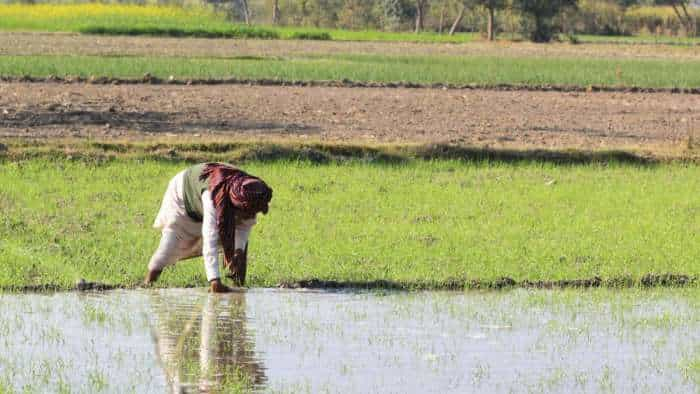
x=311, y=35
x=539, y=22
x=607, y=17
x=656, y=20
x=600, y=17
x=233, y=32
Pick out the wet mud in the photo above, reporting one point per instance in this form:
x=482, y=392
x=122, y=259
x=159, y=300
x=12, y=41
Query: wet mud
x=648, y=280
x=667, y=280
x=149, y=79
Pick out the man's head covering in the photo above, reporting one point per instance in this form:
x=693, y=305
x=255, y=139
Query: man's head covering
x=250, y=193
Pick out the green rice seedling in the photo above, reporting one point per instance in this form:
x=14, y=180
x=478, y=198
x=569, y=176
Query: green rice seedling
x=473, y=70
x=94, y=314
x=80, y=219
x=98, y=381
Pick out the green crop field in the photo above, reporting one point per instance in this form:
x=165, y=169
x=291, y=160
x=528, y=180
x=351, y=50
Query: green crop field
x=419, y=224
x=482, y=70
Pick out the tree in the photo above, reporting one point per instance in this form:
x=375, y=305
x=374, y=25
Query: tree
x=491, y=6
x=686, y=20
x=239, y=8
x=458, y=19
x=542, y=13
x=316, y=13
x=356, y=14
x=392, y=13
x=275, y=11
x=421, y=9
x=246, y=11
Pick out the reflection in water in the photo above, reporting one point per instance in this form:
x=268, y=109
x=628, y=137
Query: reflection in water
x=203, y=343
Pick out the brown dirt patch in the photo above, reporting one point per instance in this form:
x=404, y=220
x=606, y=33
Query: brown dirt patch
x=640, y=122
x=14, y=43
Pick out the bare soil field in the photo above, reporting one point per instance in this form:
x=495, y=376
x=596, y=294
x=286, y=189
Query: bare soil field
x=13, y=43
x=653, y=123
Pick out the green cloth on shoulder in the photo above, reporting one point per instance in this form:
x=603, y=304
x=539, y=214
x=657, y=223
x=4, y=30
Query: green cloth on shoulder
x=193, y=189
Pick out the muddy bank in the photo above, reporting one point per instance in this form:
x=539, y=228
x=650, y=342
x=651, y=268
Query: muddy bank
x=646, y=281
x=345, y=83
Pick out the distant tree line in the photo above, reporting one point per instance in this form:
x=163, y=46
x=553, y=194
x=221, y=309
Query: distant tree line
x=538, y=20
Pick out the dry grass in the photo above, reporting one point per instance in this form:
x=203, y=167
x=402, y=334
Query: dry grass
x=195, y=149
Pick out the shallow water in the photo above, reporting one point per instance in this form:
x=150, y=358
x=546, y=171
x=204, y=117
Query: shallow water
x=301, y=341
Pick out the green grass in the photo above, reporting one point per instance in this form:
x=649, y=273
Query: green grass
x=416, y=224
x=633, y=40
x=5, y=387
x=482, y=70
x=694, y=370
x=691, y=369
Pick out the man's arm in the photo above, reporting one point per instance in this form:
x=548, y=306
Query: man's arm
x=240, y=255
x=210, y=244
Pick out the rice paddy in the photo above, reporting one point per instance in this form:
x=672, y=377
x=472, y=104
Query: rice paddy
x=482, y=71
x=436, y=224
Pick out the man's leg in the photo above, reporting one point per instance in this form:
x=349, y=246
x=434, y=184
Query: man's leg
x=168, y=253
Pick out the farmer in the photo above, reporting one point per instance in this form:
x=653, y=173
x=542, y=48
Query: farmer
x=205, y=206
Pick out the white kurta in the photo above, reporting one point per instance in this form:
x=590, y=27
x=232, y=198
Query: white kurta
x=183, y=238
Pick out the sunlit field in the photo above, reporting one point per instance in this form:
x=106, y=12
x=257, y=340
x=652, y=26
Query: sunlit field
x=421, y=225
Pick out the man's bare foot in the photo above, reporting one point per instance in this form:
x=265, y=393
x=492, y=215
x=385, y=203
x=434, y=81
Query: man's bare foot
x=217, y=287
x=151, y=277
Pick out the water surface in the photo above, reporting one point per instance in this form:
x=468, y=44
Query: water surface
x=306, y=341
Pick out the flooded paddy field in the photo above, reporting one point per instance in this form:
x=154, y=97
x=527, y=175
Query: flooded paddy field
x=306, y=341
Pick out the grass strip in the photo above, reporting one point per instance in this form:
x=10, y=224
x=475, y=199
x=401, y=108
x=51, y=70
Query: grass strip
x=197, y=149
x=424, y=224
x=483, y=70
x=633, y=40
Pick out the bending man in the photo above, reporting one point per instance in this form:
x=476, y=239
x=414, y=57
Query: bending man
x=205, y=206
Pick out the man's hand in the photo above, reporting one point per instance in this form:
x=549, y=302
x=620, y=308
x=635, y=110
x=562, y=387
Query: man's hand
x=238, y=268
x=217, y=287
x=151, y=277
